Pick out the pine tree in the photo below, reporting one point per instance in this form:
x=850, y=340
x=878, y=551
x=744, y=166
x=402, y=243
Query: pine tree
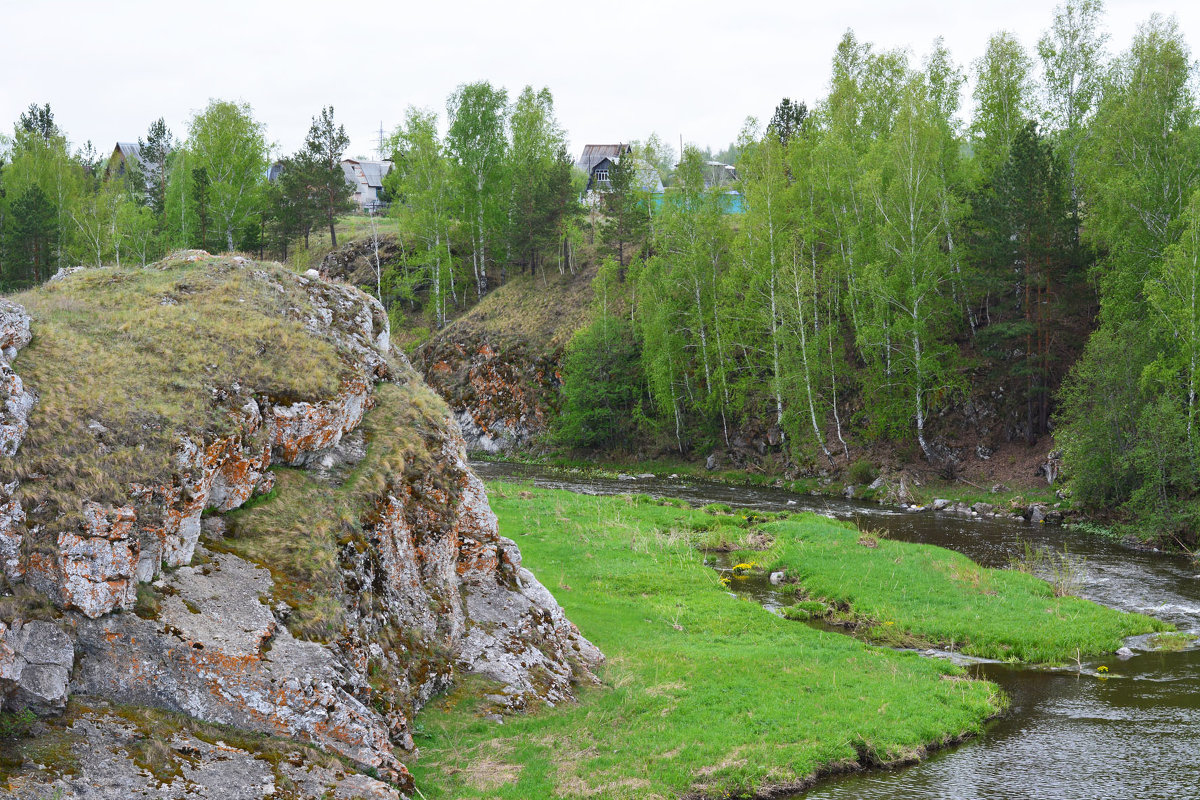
x=30, y=234
x=156, y=155
x=201, y=186
x=322, y=166
x=626, y=210
x=1025, y=229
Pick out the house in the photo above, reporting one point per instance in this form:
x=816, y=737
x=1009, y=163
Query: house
x=717, y=174
x=598, y=161
x=367, y=179
x=124, y=154
x=647, y=180
x=593, y=154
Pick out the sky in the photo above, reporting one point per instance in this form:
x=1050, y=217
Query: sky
x=618, y=70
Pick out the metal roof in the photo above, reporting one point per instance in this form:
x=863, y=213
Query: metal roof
x=130, y=150
x=370, y=173
x=593, y=154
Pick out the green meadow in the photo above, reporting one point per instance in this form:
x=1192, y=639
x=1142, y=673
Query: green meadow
x=706, y=693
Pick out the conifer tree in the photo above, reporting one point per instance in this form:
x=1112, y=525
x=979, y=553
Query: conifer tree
x=156, y=152
x=320, y=162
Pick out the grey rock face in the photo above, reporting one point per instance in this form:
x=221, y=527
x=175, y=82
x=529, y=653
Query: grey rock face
x=35, y=665
x=216, y=653
x=104, y=750
x=16, y=402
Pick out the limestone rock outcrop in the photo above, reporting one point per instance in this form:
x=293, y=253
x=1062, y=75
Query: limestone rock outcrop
x=107, y=756
x=502, y=394
x=423, y=585
x=35, y=664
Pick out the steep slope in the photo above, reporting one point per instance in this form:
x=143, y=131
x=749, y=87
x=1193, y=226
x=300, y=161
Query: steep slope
x=498, y=365
x=364, y=571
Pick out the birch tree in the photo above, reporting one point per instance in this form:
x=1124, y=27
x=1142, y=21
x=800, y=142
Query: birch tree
x=1142, y=161
x=1004, y=99
x=1072, y=53
x=1174, y=296
x=231, y=147
x=421, y=177
x=476, y=143
x=909, y=275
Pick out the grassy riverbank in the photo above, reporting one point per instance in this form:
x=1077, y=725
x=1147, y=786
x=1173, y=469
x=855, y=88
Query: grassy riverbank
x=704, y=693
x=923, y=493
x=920, y=595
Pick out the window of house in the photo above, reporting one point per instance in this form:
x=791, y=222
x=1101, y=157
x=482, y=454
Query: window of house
x=601, y=175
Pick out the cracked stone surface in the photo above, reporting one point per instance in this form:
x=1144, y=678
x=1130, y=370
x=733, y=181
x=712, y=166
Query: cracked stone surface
x=104, y=755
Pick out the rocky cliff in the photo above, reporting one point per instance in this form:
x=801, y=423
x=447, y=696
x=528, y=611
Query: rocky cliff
x=225, y=497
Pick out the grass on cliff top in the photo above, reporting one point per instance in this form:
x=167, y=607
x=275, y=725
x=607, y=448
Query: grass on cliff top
x=297, y=533
x=521, y=308
x=912, y=594
x=703, y=691
x=137, y=354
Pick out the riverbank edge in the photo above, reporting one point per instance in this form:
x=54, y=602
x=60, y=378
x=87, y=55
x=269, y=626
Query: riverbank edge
x=1093, y=524
x=785, y=791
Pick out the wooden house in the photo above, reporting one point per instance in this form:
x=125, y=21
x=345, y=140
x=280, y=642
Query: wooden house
x=598, y=161
x=124, y=154
x=367, y=179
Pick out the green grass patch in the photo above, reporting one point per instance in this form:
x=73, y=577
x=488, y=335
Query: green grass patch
x=703, y=692
x=1173, y=642
x=897, y=592
x=803, y=610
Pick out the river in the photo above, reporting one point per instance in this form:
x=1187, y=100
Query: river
x=1133, y=734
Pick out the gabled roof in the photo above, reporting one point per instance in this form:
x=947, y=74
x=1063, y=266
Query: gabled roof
x=593, y=154
x=130, y=151
x=373, y=172
x=648, y=179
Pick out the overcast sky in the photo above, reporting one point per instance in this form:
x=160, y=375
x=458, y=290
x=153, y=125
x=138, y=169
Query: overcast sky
x=619, y=70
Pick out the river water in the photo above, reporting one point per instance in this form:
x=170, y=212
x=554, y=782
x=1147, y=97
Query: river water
x=1132, y=734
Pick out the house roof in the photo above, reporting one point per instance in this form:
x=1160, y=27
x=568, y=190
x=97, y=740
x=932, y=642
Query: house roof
x=129, y=151
x=593, y=154
x=373, y=172
x=648, y=178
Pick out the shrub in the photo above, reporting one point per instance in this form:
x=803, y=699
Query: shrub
x=862, y=472
x=602, y=383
